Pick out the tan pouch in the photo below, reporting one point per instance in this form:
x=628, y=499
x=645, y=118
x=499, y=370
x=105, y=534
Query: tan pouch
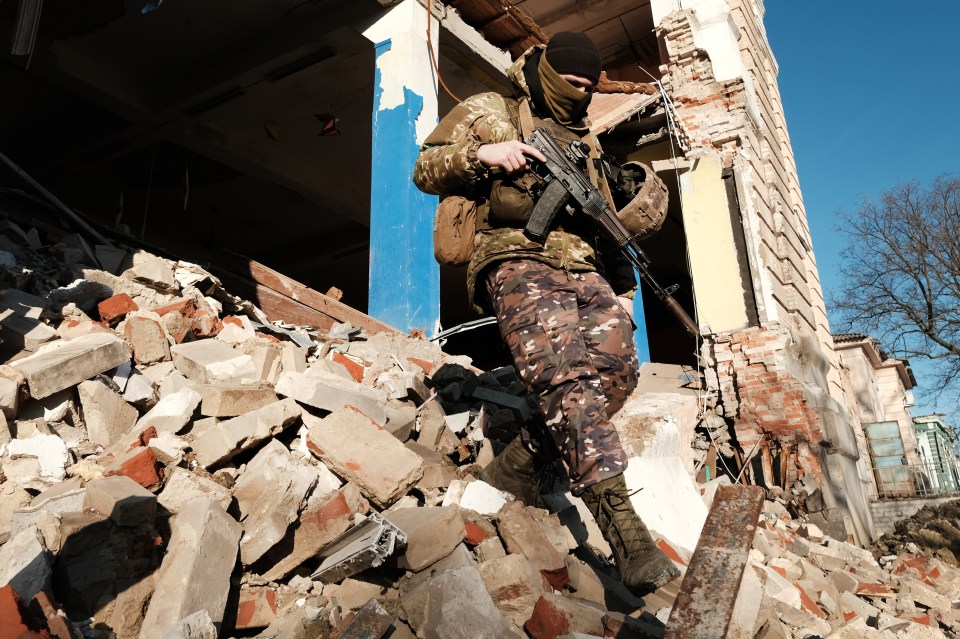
x=454, y=227
x=645, y=213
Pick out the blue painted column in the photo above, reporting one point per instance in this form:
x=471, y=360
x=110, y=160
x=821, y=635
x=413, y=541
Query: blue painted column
x=640, y=319
x=404, y=276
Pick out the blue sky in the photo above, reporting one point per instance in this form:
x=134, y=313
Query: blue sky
x=871, y=93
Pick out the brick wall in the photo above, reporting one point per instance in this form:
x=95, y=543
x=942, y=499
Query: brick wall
x=887, y=513
x=760, y=392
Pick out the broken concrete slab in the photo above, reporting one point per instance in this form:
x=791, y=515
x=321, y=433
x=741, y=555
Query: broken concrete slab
x=476, y=495
x=515, y=586
x=223, y=400
x=555, y=615
x=270, y=495
x=123, y=500
x=182, y=486
x=354, y=447
x=219, y=441
x=26, y=564
x=330, y=392
x=172, y=413
x=106, y=415
x=321, y=521
x=522, y=534
x=147, y=338
x=208, y=361
x=456, y=605
x=195, y=573
x=49, y=452
x=432, y=534
x=198, y=625
x=63, y=364
x=153, y=271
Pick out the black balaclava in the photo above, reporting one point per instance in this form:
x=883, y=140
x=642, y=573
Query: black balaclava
x=567, y=53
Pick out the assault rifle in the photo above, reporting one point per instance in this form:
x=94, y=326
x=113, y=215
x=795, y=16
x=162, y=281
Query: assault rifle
x=563, y=181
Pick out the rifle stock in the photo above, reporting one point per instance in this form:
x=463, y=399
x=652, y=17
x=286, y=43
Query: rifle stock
x=565, y=181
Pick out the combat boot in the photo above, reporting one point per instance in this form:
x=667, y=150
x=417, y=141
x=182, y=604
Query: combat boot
x=516, y=471
x=643, y=567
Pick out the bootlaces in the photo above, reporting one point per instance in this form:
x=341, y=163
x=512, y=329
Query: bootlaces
x=628, y=528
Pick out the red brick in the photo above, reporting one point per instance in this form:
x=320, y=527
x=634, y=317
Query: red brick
x=56, y=624
x=556, y=615
x=808, y=604
x=115, y=307
x=355, y=369
x=15, y=620
x=236, y=321
x=256, y=608
x=475, y=534
x=206, y=324
x=186, y=307
x=426, y=366
x=874, y=589
x=917, y=617
x=671, y=552
x=143, y=468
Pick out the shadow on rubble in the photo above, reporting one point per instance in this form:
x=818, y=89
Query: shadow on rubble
x=106, y=571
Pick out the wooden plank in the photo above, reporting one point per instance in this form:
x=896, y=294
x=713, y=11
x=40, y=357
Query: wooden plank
x=709, y=590
x=283, y=298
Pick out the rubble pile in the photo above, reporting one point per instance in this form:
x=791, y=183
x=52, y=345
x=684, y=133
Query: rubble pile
x=934, y=531
x=173, y=464
x=801, y=583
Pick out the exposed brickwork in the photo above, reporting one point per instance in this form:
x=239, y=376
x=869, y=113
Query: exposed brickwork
x=761, y=394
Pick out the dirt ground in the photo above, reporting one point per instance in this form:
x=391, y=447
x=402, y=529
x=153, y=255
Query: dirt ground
x=935, y=530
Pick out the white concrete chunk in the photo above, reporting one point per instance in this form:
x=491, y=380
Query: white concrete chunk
x=331, y=392
x=49, y=450
x=25, y=564
x=172, y=413
x=121, y=499
x=222, y=440
x=478, y=496
x=106, y=414
x=270, y=494
x=195, y=573
x=62, y=364
x=183, y=486
x=209, y=361
x=358, y=450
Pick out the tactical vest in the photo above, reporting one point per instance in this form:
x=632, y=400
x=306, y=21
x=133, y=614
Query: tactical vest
x=512, y=197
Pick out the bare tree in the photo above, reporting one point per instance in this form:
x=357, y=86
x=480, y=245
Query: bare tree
x=901, y=271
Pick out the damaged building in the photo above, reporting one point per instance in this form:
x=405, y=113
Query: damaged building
x=264, y=150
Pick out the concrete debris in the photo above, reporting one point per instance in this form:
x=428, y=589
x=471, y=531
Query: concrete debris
x=174, y=465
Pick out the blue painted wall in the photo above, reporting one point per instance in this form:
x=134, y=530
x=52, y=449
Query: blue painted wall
x=404, y=276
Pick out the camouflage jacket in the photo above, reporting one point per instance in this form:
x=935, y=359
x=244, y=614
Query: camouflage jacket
x=448, y=164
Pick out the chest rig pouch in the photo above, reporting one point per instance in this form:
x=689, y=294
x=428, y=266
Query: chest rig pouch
x=512, y=196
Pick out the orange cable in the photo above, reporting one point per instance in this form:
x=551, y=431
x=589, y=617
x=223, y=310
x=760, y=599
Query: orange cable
x=433, y=59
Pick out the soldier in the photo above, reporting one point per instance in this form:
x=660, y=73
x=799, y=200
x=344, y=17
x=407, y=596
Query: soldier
x=561, y=306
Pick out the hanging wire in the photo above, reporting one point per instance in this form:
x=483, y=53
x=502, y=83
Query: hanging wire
x=673, y=128
x=433, y=58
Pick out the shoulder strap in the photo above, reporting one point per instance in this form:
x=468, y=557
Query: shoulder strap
x=526, y=118
x=595, y=168
x=521, y=115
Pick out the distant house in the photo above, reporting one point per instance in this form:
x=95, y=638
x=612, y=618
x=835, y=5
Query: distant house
x=936, y=443
x=880, y=396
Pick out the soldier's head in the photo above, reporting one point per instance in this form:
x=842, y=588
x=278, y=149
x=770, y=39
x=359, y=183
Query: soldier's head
x=576, y=58
x=566, y=74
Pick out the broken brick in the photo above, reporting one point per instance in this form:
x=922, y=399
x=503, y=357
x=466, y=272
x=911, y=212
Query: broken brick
x=115, y=307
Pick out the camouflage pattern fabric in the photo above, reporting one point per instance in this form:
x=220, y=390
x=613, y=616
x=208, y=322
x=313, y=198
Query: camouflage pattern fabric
x=572, y=345
x=448, y=163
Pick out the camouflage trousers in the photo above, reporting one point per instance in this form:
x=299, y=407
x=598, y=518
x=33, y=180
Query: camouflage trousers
x=572, y=345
